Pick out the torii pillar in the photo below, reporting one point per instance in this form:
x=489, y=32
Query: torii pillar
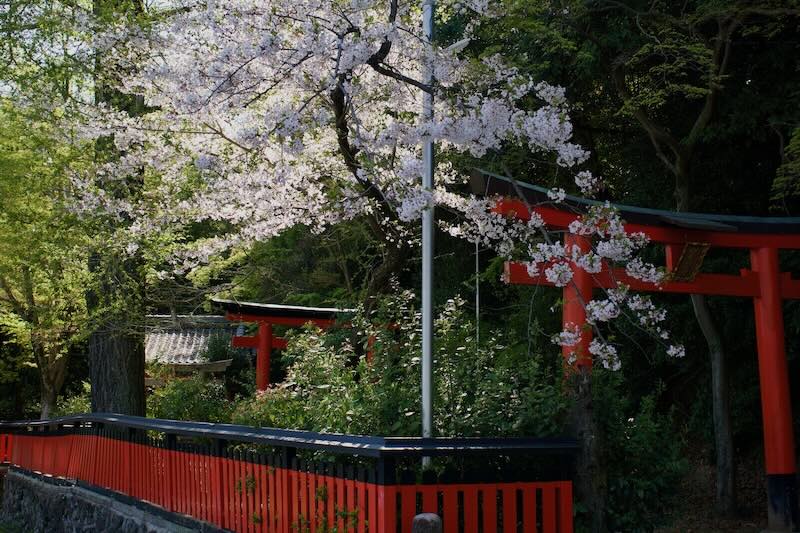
x=776, y=403
x=263, y=342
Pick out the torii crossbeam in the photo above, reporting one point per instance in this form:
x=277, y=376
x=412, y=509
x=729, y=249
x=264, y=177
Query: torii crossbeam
x=686, y=238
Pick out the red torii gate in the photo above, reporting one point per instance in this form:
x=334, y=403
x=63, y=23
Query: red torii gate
x=267, y=315
x=686, y=238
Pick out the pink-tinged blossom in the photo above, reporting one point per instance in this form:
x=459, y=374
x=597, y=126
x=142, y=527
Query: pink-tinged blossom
x=557, y=195
x=244, y=134
x=588, y=261
x=601, y=311
x=559, y=274
x=638, y=269
x=605, y=354
x=570, y=336
x=676, y=351
x=587, y=183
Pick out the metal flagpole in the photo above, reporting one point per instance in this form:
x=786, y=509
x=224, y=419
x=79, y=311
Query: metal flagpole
x=427, y=236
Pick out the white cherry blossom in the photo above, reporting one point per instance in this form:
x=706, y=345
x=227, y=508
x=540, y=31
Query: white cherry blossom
x=267, y=114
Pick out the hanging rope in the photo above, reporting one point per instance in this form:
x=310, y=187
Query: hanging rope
x=477, y=297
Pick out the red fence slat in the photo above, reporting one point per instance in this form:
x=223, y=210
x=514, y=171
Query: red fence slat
x=253, y=493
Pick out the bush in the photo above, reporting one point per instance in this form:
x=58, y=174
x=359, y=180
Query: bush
x=77, y=404
x=481, y=389
x=193, y=398
x=276, y=407
x=644, y=457
x=240, y=375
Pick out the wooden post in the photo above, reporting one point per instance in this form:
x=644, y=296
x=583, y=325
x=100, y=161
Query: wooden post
x=576, y=294
x=776, y=407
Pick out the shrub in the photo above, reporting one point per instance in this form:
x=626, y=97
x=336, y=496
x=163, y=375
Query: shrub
x=76, y=404
x=240, y=375
x=644, y=457
x=482, y=388
x=193, y=398
x=275, y=407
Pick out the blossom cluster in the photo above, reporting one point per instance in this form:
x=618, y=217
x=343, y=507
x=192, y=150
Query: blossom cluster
x=266, y=114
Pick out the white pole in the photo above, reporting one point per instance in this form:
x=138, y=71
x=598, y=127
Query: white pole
x=477, y=296
x=427, y=236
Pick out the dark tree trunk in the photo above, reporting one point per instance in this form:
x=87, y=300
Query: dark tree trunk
x=723, y=433
x=676, y=154
x=591, y=481
x=116, y=344
x=48, y=396
x=116, y=362
x=725, y=502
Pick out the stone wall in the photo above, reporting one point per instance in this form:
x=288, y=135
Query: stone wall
x=41, y=504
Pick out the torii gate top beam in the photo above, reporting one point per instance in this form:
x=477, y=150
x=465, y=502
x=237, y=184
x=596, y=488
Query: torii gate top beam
x=283, y=315
x=666, y=227
x=672, y=229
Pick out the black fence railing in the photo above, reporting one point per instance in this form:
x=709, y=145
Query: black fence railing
x=264, y=479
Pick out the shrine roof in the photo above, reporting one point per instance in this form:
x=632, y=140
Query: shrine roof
x=183, y=340
x=486, y=183
x=279, y=310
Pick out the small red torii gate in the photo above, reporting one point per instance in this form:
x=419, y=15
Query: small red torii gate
x=686, y=238
x=267, y=315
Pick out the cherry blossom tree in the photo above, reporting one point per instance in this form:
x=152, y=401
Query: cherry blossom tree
x=268, y=114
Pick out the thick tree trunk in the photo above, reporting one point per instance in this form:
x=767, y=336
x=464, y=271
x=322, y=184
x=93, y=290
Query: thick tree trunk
x=591, y=481
x=48, y=396
x=116, y=362
x=116, y=346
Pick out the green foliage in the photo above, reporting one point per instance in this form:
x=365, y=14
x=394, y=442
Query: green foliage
x=483, y=388
x=786, y=186
x=219, y=348
x=645, y=463
x=275, y=407
x=239, y=376
x=43, y=260
x=301, y=266
x=75, y=404
x=193, y=398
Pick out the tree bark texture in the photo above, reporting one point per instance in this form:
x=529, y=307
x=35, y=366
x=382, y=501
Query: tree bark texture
x=116, y=362
x=591, y=481
x=116, y=344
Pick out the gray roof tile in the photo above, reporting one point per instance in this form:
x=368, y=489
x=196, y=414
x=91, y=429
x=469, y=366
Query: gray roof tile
x=183, y=340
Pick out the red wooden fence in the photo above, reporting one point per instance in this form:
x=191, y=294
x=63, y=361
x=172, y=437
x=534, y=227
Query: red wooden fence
x=5, y=448
x=259, y=493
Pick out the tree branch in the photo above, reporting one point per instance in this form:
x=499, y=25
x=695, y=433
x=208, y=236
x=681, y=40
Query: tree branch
x=15, y=303
x=722, y=52
x=659, y=136
x=376, y=60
